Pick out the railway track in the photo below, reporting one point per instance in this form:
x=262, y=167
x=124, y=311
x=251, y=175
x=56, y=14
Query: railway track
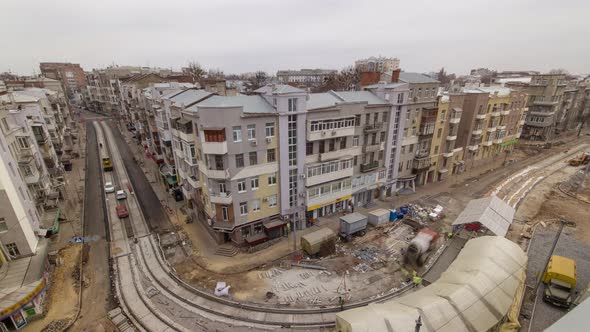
x=144, y=264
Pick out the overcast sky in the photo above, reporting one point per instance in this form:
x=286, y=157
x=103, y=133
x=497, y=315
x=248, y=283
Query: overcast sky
x=248, y=35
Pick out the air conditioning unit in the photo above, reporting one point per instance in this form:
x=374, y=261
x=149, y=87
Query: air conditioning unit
x=268, y=139
x=253, y=142
x=333, y=132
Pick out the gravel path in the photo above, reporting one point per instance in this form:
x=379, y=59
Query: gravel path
x=546, y=314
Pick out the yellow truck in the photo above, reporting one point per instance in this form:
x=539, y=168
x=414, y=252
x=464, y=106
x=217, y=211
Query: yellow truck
x=107, y=166
x=560, y=281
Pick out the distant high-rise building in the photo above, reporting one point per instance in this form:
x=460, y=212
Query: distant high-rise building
x=70, y=74
x=377, y=64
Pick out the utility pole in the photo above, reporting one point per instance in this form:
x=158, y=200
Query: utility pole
x=561, y=224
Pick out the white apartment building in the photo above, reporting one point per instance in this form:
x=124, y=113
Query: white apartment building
x=305, y=77
x=378, y=64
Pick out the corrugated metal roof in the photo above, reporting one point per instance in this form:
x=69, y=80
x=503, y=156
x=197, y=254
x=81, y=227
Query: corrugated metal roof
x=332, y=98
x=389, y=85
x=492, y=212
x=189, y=96
x=279, y=89
x=249, y=104
x=415, y=78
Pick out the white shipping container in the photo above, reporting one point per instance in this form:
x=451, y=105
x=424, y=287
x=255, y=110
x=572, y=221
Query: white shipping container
x=378, y=217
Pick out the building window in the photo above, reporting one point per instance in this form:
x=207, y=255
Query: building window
x=244, y=208
x=252, y=132
x=385, y=117
x=272, y=200
x=12, y=250
x=271, y=156
x=382, y=138
x=272, y=179
x=355, y=160
x=381, y=154
x=242, y=186
x=253, y=158
x=357, y=120
x=435, y=149
x=400, y=98
x=240, y=160
x=237, y=134
x=256, y=205
x=399, y=167
x=308, y=148
x=411, y=148
x=292, y=104
x=355, y=141
x=258, y=228
x=245, y=232
x=27, y=170
x=4, y=227
x=225, y=213
x=439, y=133
x=408, y=164
x=270, y=129
x=254, y=183
x=23, y=142
x=331, y=145
x=5, y=126
x=367, y=119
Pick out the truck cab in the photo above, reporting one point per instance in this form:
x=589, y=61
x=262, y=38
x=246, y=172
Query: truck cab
x=560, y=281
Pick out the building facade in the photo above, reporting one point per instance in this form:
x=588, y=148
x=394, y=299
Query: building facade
x=71, y=75
x=305, y=77
x=377, y=64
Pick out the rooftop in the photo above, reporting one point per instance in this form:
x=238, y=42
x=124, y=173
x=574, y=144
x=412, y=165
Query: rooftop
x=189, y=97
x=249, y=104
x=415, y=78
x=279, y=89
x=332, y=98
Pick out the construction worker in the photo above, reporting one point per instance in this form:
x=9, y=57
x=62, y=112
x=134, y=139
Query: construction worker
x=416, y=279
x=341, y=301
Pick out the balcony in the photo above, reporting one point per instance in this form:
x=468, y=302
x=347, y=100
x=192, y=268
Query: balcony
x=224, y=198
x=193, y=181
x=447, y=154
x=372, y=128
x=221, y=174
x=181, y=173
x=328, y=177
x=32, y=178
x=367, y=167
x=452, y=138
x=427, y=129
x=25, y=155
x=480, y=116
x=179, y=153
x=491, y=129
x=214, y=147
x=477, y=131
x=186, y=192
x=505, y=112
x=420, y=163
x=474, y=147
x=334, y=155
x=190, y=138
x=331, y=133
x=502, y=127
x=546, y=123
x=374, y=147
x=455, y=120
x=487, y=143
x=521, y=122
x=495, y=113
x=498, y=141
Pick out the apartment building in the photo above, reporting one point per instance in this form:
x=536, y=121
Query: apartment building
x=446, y=155
x=492, y=122
x=377, y=64
x=26, y=135
x=416, y=139
x=545, y=93
x=305, y=77
x=102, y=93
x=572, y=107
x=70, y=74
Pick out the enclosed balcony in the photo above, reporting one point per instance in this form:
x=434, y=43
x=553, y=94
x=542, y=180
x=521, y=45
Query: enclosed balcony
x=421, y=162
x=224, y=198
x=370, y=166
x=185, y=130
x=372, y=128
x=215, y=142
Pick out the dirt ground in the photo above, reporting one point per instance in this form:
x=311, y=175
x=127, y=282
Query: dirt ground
x=61, y=302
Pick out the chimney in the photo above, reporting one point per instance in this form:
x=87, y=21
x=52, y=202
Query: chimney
x=369, y=77
x=395, y=76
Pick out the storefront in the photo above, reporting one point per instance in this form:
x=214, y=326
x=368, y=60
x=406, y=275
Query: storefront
x=326, y=209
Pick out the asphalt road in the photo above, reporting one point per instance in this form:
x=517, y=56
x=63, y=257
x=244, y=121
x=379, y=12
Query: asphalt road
x=546, y=314
x=96, y=298
x=149, y=202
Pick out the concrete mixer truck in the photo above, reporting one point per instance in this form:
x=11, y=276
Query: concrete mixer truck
x=419, y=248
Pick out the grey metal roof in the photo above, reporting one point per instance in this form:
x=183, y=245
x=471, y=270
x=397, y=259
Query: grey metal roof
x=389, y=85
x=492, y=212
x=249, y=104
x=332, y=98
x=352, y=218
x=189, y=96
x=415, y=78
x=279, y=89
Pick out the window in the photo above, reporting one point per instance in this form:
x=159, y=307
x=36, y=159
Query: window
x=322, y=144
x=258, y=228
x=357, y=120
x=240, y=160
x=27, y=170
x=12, y=249
x=5, y=126
x=399, y=167
x=256, y=205
x=4, y=227
x=292, y=104
x=23, y=142
x=403, y=149
x=439, y=133
x=356, y=159
x=245, y=232
x=237, y=134
x=408, y=164
x=272, y=179
x=272, y=200
x=411, y=148
x=241, y=186
x=342, y=143
x=435, y=149
x=355, y=141
x=244, y=209
x=385, y=118
x=225, y=213
x=442, y=115
x=382, y=138
x=254, y=183
x=308, y=148
x=373, y=138
x=400, y=98
x=270, y=129
x=270, y=156
x=252, y=132
x=381, y=154
x=332, y=146
x=253, y=158
x=367, y=119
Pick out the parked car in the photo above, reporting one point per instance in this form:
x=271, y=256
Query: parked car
x=109, y=188
x=121, y=194
x=122, y=211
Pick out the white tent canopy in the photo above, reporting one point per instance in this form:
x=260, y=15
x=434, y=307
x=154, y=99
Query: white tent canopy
x=474, y=294
x=492, y=212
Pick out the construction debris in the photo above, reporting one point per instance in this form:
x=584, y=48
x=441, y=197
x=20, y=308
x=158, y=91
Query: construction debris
x=308, y=266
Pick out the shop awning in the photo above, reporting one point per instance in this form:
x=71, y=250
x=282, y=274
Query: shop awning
x=55, y=228
x=511, y=142
x=256, y=239
x=274, y=224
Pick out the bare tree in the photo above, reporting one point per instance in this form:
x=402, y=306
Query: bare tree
x=195, y=71
x=260, y=79
x=558, y=71
x=348, y=78
x=215, y=73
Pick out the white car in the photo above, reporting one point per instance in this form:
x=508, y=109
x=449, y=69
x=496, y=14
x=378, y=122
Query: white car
x=109, y=188
x=121, y=194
